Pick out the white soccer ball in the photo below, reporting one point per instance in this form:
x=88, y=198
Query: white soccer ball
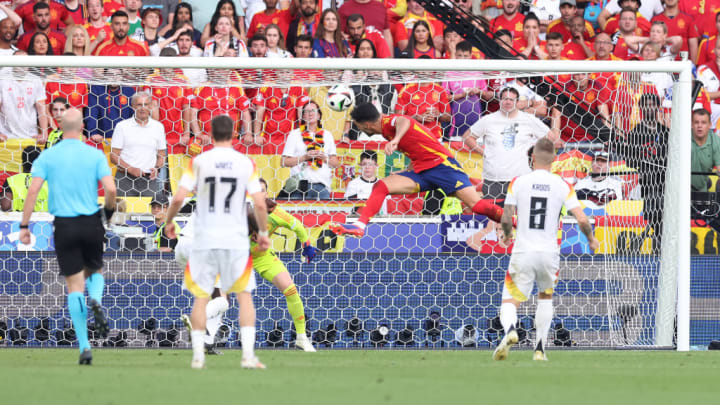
x=340, y=97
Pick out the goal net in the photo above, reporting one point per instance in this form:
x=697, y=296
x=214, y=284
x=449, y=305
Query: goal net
x=426, y=273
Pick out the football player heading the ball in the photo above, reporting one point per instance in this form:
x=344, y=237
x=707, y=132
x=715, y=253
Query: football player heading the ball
x=433, y=166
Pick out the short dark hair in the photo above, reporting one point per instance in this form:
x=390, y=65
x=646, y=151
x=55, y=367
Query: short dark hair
x=510, y=90
x=355, y=17
x=531, y=16
x=263, y=181
x=369, y=154
x=61, y=100
x=701, y=111
x=628, y=9
x=29, y=154
x=119, y=13
x=304, y=38
x=365, y=112
x=554, y=36
x=464, y=46
x=40, y=6
x=649, y=97
x=168, y=52
x=186, y=33
x=257, y=37
x=222, y=128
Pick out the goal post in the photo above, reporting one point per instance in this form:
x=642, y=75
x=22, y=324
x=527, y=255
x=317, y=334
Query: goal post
x=664, y=314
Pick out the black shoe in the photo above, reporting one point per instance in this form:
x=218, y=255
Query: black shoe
x=101, y=325
x=85, y=357
x=211, y=350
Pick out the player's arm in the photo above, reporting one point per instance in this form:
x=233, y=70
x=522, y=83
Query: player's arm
x=402, y=125
x=507, y=224
x=175, y=205
x=30, y=199
x=108, y=183
x=283, y=219
x=263, y=239
x=585, y=227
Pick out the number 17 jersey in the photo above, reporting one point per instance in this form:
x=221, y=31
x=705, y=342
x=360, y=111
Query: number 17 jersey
x=539, y=197
x=221, y=178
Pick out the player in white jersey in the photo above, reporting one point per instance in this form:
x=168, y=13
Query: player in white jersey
x=538, y=198
x=221, y=178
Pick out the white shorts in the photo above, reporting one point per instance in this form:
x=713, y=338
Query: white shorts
x=527, y=268
x=182, y=255
x=233, y=266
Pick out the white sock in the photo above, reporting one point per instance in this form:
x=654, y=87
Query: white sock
x=247, y=340
x=543, y=317
x=508, y=315
x=197, y=339
x=215, y=310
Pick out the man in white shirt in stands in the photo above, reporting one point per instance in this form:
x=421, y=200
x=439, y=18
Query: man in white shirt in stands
x=22, y=106
x=504, y=138
x=139, y=149
x=599, y=188
x=361, y=186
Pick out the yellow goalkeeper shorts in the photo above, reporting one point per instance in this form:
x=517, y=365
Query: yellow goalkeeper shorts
x=268, y=265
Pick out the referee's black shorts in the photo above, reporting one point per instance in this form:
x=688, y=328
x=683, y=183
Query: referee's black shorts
x=79, y=243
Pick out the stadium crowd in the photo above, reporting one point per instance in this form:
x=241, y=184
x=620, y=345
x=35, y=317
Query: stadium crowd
x=178, y=105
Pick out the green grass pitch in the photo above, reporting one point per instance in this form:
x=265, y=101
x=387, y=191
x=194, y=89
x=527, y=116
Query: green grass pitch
x=138, y=376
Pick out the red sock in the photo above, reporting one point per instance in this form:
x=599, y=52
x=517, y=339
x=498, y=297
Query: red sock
x=374, y=202
x=490, y=210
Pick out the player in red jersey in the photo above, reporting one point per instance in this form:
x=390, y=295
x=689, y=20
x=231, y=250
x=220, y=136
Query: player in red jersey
x=433, y=166
x=121, y=44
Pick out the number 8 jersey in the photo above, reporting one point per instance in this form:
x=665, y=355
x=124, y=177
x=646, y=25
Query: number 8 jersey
x=221, y=178
x=539, y=197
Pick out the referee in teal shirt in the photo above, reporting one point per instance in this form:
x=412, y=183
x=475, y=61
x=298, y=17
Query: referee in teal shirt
x=72, y=170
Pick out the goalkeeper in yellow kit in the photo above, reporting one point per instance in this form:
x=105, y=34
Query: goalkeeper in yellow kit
x=272, y=269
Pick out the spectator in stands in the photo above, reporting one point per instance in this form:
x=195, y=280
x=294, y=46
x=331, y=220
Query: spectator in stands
x=427, y=103
x=171, y=94
x=276, y=112
x=275, y=42
x=416, y=12
x=603, y=47
x=78, y=42
x=139, y=150
x=563, y=25
x=151, y=19
x=706, y=49
x=180, y=19
x=306, y=22
x=111, y=6
x=209, y=102
x=224, y=8
x=166, y=7
x=554, y=46
x=420, y=43
x=670, y=46
x=585, y=99
x=505, y=137
x=599, y=187
x=39, y=45
x=132, y=8
x=645, y=149
x=329, y=41
x=357, y=30
x=258, y=45
x=624, y=100
x=57, y=108
x=182, y=42
x=642, y=23
x=303, y=46
x=97, y=26
x=22, y=104
x=546, y=11
x=107, y=105
x=705, y=150
x=578, y=47
x=647, y=10
x=120, y=44
x=511, y=19
x=709, y=75
x=41, y=19
x=374, y=13
x=76, y=10
x=503, y=38
x=663, y=81
x=7, y=12
x=59, y=15
x=627, y=29
x=310, y=153
x=360, y=187
x=271, y=15
x=465, y=95
x=679, y=23
x=8, y=30
x=15, y=188
x=224, y=43
x=530, y=43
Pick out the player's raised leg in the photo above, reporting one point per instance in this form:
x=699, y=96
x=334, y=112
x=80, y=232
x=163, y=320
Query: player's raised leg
x=479, y=206
x=393, y=184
